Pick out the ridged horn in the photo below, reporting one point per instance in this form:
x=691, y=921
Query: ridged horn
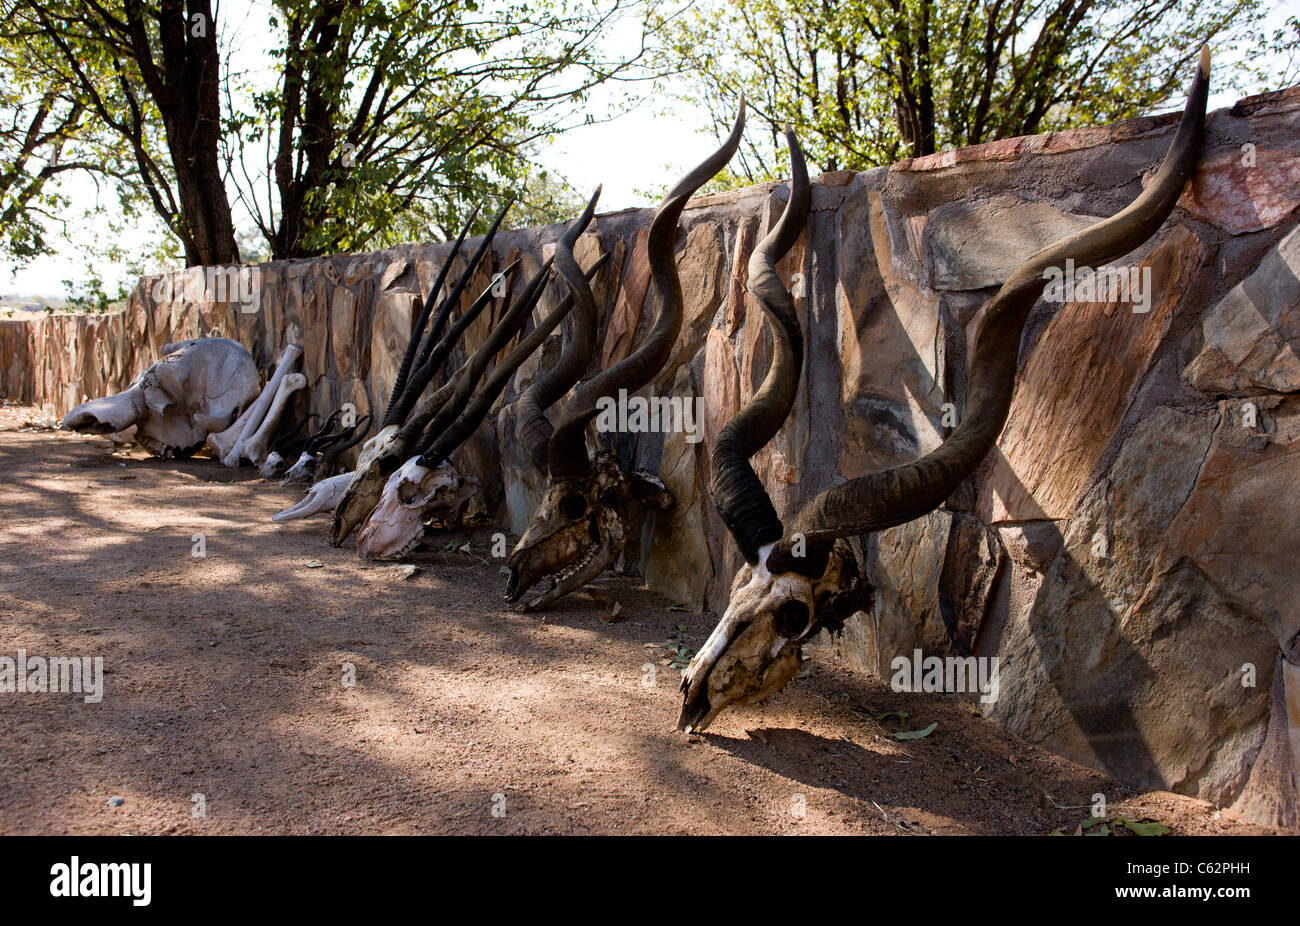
x=894, y=496
x=734, y=487
x=567, y=452
x=417, y=333
x=478, y=407
x=532, y=428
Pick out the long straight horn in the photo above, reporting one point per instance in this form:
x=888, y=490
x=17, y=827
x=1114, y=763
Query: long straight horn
x=532, y=428
x=734, y=487
x=418, y=418
x=505, y=329
x=463, y=281
x=465, y=425
x=417, y=333
x=424, y=371
x=567, y=453
x=895, y=496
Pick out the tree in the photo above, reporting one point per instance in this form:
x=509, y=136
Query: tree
x=866, y=82
x=387, y=118
x=138, y=67
x=45, y=134
x=391, y=117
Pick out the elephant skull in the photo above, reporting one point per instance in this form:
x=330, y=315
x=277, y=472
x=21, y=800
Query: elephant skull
x=196, y=388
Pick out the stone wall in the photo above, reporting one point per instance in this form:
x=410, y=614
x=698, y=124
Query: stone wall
x=1128, y=548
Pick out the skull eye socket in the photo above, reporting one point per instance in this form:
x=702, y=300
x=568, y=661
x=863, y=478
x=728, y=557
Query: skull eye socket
x=573, y=506
x=791, y=618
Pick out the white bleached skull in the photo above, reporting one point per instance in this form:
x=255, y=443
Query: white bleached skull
x=412, y=495
x=320, y=499
x=367, y=481
x=198, y=387
x=756, y=649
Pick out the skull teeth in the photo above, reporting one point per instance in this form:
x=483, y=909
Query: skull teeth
x=576, y=566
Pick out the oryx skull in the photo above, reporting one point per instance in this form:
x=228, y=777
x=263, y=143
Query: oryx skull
x=794, y=585
x=412, y=495
x=196, y=388
x=366, y=483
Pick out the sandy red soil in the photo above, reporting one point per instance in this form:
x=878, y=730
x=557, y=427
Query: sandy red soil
x=224, y=677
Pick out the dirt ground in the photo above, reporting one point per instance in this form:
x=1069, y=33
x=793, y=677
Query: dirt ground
x=224, y=677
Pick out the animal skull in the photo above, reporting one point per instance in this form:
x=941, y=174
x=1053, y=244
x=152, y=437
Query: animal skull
x=195, y=389
x=578, y=530
x=320, y=499
x=756, y=649
x=367, y=482
x=410, y=496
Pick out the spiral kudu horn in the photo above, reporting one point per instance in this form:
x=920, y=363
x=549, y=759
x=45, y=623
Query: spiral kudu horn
x=567, y=451
x=900, y=494
x=533, y=429
x=735, y=489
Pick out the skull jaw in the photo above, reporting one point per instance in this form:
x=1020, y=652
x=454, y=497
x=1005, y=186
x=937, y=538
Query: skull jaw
x=532, y=560
x=740, y=678
x=594, y=560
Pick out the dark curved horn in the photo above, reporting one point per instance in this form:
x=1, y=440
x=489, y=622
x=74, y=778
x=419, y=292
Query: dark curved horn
x=735, y=489
x=895, y=496
x=290, y=438
x=532, y=428
x=323, y=436
x=465, y=425
x=417, y=333
x=506, y=329
x=567, y=453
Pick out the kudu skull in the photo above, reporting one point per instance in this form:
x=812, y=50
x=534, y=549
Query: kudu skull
x=580, y=528
x=779, y=599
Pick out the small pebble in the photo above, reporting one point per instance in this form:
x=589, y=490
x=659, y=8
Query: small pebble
x=116, y=801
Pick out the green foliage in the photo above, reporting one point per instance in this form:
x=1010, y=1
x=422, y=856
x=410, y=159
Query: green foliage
x=867, y=82
x=403, y=116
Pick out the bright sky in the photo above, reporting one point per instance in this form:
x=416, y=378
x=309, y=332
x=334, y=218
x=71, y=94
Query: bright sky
x=646, y=148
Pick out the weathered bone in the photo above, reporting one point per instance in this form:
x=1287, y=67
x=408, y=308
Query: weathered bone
x=412, y=495
x=225, y=445
x=320, y=499
x=254, y=447
x=196, y=387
